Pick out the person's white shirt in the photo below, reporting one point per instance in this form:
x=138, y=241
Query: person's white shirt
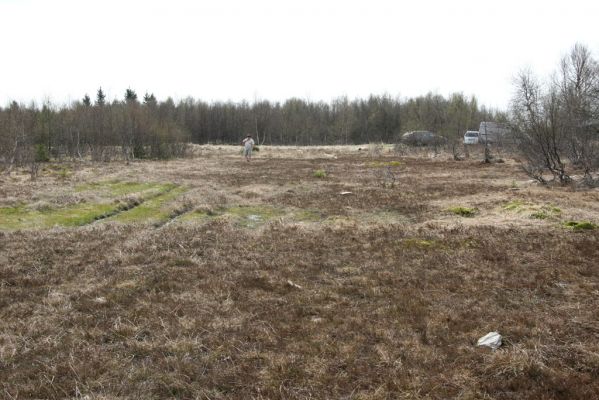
x=248, y=143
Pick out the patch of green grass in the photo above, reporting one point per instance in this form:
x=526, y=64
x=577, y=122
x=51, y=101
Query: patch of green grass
x=308, y=216
x=118, y=188
x=199, y=215
x=153, y=209
x=320, y=173
x=546, y=211
x=463, y=211
x=12, y=217
x=536, y=211
x=80, y=214
x=382, y=164
x=515, y=205
x=414, y=243
x=580, y=225
x=6, y=212
x=20, y=217
x=64, y=173
x=60, y=171
x=541, y=214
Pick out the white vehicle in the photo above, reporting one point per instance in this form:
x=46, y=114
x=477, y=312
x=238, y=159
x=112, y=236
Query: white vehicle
x=492, y=132
x=471, y=137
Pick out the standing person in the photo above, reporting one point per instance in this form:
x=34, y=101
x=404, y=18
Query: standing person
x=248, y=146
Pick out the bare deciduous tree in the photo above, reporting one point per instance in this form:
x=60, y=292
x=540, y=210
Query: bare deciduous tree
x=556, y=124
x=536, y=124
x=578, y=83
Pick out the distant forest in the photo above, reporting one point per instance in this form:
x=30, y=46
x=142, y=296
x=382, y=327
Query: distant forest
x=147, y=128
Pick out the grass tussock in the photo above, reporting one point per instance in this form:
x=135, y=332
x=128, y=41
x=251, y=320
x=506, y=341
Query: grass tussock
x=515, y=205
x=534, y=211
x=319, y=173
x=463, y=211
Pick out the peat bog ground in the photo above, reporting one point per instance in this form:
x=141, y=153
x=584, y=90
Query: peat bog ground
x=213, y=278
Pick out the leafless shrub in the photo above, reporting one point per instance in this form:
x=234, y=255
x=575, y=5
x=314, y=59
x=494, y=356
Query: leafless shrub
x=535, y=172
x=558, y=122
x=400, y=149
x=537, y=125
x=458, y=150
x=375, y=149
x=385, y=176
x=578, y=86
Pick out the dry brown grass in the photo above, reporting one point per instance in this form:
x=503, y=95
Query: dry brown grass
x=386, y=307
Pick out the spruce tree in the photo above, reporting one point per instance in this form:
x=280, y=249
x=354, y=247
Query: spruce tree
x=100, y=98
x=149, y=99
x=130, y=95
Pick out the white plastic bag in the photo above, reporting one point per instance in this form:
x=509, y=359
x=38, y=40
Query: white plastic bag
x=491, y=339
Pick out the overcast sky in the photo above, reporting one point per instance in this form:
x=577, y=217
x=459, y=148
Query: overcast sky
x=277, y=49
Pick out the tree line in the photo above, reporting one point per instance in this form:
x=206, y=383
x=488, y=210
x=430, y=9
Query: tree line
x=134, y=128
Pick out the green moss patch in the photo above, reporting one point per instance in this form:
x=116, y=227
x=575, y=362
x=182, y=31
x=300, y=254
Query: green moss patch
x=118, y=188
x=320, y=173
x=463, y=211
x=545, y=212
x=382, y=164
x=541, y=214
x=515, y=205
x=20, y=217
x=580, y=225
x=199, y=215
x=534, y=211
x=152, y=210
x=308, y=215
x=149, y=205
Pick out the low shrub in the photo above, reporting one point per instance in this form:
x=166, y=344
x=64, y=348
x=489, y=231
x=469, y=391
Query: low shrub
x=320, y=173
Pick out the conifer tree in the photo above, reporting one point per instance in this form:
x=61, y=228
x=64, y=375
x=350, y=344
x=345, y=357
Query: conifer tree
x=100, y=98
